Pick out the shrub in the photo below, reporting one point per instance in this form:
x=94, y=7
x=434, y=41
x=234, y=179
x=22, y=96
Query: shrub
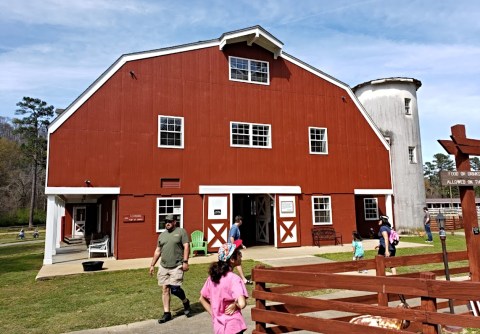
x=20, y=217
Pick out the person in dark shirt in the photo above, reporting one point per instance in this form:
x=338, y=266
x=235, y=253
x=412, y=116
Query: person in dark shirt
x=173, y=248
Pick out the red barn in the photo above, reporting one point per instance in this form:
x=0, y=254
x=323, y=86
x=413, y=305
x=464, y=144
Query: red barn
x=211, y=130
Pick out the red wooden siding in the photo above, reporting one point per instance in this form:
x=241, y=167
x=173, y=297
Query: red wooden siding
x=114, y=135
x=139, y=239
x=112, y=140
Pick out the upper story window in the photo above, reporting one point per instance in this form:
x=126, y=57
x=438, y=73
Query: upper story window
x=254, y=71
x=408, y=110
x=412, y=154
x=169, y=206
x=250, y=135
x=321, y=210
x=370, y=207
x=170, y=131
x=318, y=140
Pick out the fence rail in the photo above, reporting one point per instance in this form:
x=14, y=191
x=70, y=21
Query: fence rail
x=278, y=311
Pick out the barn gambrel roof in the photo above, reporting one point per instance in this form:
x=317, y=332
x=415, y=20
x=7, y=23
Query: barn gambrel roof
x=252, y=35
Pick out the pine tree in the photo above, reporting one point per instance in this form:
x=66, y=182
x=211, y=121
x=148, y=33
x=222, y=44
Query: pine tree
x=32, y=129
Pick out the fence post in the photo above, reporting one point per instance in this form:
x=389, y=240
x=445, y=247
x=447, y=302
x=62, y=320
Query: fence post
x=260, y=304
x=428, y=304
x=380, y=271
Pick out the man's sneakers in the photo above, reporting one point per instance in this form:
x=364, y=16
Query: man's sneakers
x=167, y=316
x=186, y=309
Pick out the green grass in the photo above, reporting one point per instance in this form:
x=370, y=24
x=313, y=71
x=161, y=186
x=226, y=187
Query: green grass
x=453, y=243
x=75, y=302
x=8, y=235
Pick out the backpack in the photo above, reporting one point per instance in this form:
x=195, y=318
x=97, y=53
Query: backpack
x=393, y=238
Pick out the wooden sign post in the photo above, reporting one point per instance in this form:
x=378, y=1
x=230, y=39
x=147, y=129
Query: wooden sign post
x=462, y=147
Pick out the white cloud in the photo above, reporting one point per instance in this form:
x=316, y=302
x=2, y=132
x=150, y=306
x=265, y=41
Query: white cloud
x=55, y=49
x=72, y=13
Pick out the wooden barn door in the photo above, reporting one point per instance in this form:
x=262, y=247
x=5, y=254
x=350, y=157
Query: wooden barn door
x=217, y=223
x=263, y=218
x=288, y=222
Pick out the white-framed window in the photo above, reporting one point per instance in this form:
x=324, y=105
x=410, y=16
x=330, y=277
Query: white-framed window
x=170, y=131
x=318, y=140
x=412, y=154
x=169, y=206
x=249, y=70
x=250, y=135
x=408, y=109
x=321, y=210
x=370, y=207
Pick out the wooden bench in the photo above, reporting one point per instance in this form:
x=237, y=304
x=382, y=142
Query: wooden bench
x=324, y=233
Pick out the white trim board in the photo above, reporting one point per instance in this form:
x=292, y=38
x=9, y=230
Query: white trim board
x=373, y=191
x=82, y=191
x=206, y=190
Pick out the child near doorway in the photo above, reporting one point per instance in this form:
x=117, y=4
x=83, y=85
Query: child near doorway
x=358, y=251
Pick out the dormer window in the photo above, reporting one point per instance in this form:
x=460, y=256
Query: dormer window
x=249, y=70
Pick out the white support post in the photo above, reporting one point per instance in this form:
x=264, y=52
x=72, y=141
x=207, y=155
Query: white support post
x=59, y=212
x=50, y=230
x=389, y=208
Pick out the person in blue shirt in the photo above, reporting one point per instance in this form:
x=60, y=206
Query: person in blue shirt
x=233, y=236
x=358, y=251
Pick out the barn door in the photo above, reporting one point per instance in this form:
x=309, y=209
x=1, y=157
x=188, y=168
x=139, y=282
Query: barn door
x=217, y=224
x=288, y=227
x=79, y=219
x=263, y=218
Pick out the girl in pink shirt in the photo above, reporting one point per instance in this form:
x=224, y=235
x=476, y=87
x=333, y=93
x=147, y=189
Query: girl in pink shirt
x=224, y=294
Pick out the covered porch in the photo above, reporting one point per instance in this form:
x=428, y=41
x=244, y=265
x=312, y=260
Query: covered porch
x=78, y=212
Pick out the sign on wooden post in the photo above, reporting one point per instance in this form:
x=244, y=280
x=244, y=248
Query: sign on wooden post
x=460, y=178
x=462, y=147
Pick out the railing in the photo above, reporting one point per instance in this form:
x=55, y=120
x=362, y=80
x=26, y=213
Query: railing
x=278, y=311
x=449, y=211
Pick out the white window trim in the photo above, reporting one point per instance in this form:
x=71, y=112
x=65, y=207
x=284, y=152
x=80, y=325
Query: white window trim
x=414, y=153
x=182, y=133
x=249, y=71
x=365, y=208
x=250, y=134
x=310, y=140
x=180, y=214
x=313, y=211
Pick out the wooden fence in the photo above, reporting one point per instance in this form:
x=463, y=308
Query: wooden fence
x=452, y=223
x=289, y=299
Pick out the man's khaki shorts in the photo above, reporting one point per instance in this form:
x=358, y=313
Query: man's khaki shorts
x=170, y=276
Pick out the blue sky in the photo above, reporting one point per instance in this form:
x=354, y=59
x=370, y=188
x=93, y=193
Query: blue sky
x=54, y=49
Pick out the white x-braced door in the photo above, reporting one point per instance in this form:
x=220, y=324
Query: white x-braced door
x=79, y=218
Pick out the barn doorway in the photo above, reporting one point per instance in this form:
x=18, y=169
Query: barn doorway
x=258, y=219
